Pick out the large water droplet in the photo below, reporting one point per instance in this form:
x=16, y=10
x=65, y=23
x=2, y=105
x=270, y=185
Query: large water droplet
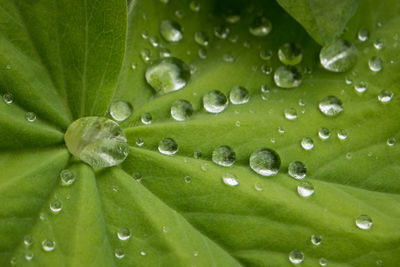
x=297, y=170
x=239, y=95
x=168, y=146
x=339, y=56
x=230, y=179
x=260, y=27
x=171, y=31
x=385, y=96
x=224, y=156
x=146, y=118
x=168, y=74
x=305, y=189
x=99, y=142
x=48, y=245
x=296, y=256
x=288, y=77
x=307, y=143
x=120, y=110
x=290, y=54
x=181, y=110
x=124, y=234
x=265, y=161
x=331, y=106
x=364, y=222
x=215, y=101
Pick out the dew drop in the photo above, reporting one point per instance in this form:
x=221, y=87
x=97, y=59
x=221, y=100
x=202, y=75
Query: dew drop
x=339, y=56
x=266, y=69
x=224, y=156
x=385, y=96
x=363, y=35
x=260, y=27
x=375, y=64
x=265, y=54
x=201, y=38
x=307, y=143
x=331, y=106
x=364, y=222
x=143, y=253
x=168, y=75
x=287, y=77
x=239, y=95
x=30, y=116
x=202, y=53
x=29, y=255
x=391, y=141
x=67, y=177
x=324, y=133
x=188, y=179
x=290, y=114
x=221, y=32
x=215, y=101
x=48, y=245
x=230, y=179
x=145, y=55
x=361, y=87
x=342, y=134
x=290, y=54
x=297, y=170
x=265, y=161
x=181, y=110
x=139, y=141
x=316, y=240
x=379, y=44
x=28, y=240
x=258, y=186
x=305, y=189
x=120, y=110
x=146, y=118
x=197, y=154
x=119, y=253
x=171, y=31
x=124, y=234
x=323, y=262
x=296, y=256
x=100, y=142
x=168, y=146
x=56, y=206
x=194, y=6
x=8, y=98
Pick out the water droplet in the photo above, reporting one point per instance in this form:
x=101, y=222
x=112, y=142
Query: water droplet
x=201, y=38
x=194, y=6
x=258, y=186
x=124, y=234
x=56, y=206
x=265, y=161
x=171, y=31
x=188, y=179
x=153, y=40
x=168, y=74
x=13, y=261
x=296, y=256
x=305, y=189
x=29, y=255
x=297, y=170
x=375, y=64
x=202, y=53
x=28, y=240
x=364, y=222
x=119, y=253
x=30, y=116
x=307, y=143
x=228, y=57
x=323, y=262
x=221, y=32
x=215, y=101
x=287, y=77
x=266, y=69
x=8, y=98
x=143, y=253
x=331, y=106
x=324, y=133
x=290, y=54
x=265, y=54
x=133, y=66
x=224, y=156
x=260, y=27
x=146, y=118
x=120, y=110
x=168, y=146
x=179, y=13
x=139, y=141
x=145, y=55
x=67, y=177
x=100, y=142
x=197, y=154
x=339, y=56
x=231, y=16
x=181, y=110
x=290, y=113
x=385, y=96
x=48, y=245
x=316, y=240
x=363, y=35
x=349, y=80
x=361, y=87
x=230, y=179
x=379, y=44
x=237, y=123
x=239, y=95
x=342, y=134
x=391, y=141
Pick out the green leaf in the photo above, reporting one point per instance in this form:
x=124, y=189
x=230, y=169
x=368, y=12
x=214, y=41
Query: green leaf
x=324, y=20
x=61, y=60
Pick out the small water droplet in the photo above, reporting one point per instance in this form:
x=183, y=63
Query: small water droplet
x=48, y=245
x=201, y=38
x=221, y=32
x=215, y=101
x=146, y=118
x=202, y=53
x=67, y=177
x=258, y=186
x=290, y=113
x=305, y=189
x=168, y=146
x=379, y=44
x=195, y=253
x=375, y=64
x=194, y=6
x=197, y=154
x=361, y=87
x=171, y=31
x=145, y=55
x=339, y=56
x=323, y=262
x=188, y=179
x=119, y=253
x=342, y=134
x=124, y=234
x=168, y=75
x=30, y=116
x=265, y=161
x=28, y=240
x=133, y=66
x=228, y=57
x=297, y=170
x=331, y=106
x=29, y=255
x=385, y=96
x=307, y=143
x=391, y=141
x=290, y=53
x=8, y=98
x=13, y=261
x=296, y=256
x=231, y=16
x=239, y=95
x=143, y=253
x=224, y=156
x=266, y=69
x=120, y=110
x=260, y=27
x=316, y=240
x=349, y=80
x=139, y=141
x=230, y=179
x=363, y=35
x=287, y=77
x=324, y=133
x=364, y=222
x=181, y=110
x=265, y=54
x=56, y=206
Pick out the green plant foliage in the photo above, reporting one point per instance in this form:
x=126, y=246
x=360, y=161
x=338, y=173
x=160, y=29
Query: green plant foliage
x=64, y=60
